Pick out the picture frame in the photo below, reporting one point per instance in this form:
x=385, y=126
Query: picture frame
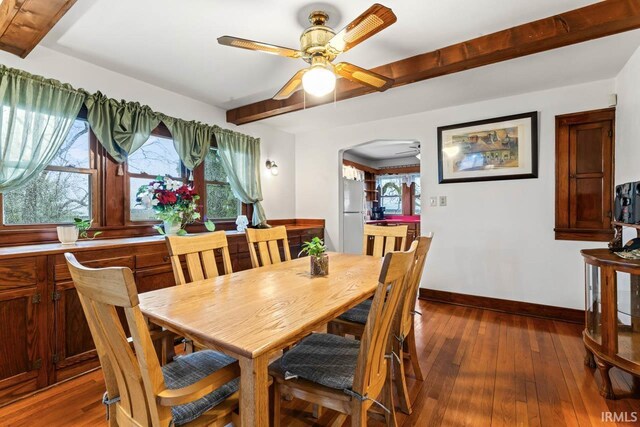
x=500, y=148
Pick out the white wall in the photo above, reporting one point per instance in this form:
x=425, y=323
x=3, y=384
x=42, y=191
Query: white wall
x=278, y=191
x=628, y=121
x=493, y=239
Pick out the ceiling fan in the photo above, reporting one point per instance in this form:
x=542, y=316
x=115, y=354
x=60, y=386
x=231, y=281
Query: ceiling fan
x=414, y=150
x=320, y=45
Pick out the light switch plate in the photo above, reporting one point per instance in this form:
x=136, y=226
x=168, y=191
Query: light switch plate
x=443, y=200
x=433, y=201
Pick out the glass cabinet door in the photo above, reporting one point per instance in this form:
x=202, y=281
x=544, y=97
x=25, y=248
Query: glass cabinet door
x=594, y=302
x=628, y=312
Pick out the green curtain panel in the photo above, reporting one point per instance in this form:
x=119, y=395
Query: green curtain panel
x=240, y=157
x=121, y=127
x=37, y=115
x=191, y=140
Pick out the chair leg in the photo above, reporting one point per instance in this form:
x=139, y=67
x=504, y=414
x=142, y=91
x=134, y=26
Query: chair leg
x=404, y=402
x=413, y=353
x=339, y=420
x=277, y=401
x=334, y=329
x=387, y=400
x=317, y=411
x=359, y=415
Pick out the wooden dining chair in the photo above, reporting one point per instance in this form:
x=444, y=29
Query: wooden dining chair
x=199, y=254
x=267, y=240
x=384, y=239
x=197, y=389
x=353, y=323
x=342, y=374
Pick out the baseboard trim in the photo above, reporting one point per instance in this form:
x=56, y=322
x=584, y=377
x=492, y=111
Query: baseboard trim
x=570, y=315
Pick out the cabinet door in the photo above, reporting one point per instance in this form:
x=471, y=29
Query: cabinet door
x=22, y=368
x=584, y=175
x=590, y=184
x=74, y=348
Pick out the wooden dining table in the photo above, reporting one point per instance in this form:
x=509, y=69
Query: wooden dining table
x=253, y=314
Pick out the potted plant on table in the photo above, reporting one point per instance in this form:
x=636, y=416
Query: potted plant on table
x=174, y=203
x=317, y=252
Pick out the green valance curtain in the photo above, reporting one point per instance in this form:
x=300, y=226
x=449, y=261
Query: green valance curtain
x=37, y=114
x=191, y=140
x=36, y=117
x=240, y=158
x=121, y=127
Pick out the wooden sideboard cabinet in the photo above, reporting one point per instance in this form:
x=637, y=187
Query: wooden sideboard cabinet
x=44, y=338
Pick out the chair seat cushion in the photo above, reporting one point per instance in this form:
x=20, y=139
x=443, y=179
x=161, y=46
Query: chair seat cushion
x=325, y=359
x=358, y=314
x=191, y=368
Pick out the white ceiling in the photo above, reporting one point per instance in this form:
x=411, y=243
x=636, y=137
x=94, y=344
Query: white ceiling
x=173, y=45
x=385, y=149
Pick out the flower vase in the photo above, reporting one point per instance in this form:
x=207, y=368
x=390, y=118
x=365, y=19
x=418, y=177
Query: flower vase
x=319, y=265
x=171, y=228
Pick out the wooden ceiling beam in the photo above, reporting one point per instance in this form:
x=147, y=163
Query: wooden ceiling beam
x=597, y=20
x=24, y=23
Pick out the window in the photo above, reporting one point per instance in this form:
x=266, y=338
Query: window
x=157, y=157
x=391, y=193
x=63, y=190
x=415, y=179
x=219, y=199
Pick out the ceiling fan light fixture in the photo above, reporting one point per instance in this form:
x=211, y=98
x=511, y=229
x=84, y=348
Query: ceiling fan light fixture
x=319, y=80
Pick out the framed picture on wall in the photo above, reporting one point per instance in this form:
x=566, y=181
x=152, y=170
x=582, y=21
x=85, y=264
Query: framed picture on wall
x=488, y=150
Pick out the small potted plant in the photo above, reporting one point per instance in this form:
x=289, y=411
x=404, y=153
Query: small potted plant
x=68, y=234
x=317, y=252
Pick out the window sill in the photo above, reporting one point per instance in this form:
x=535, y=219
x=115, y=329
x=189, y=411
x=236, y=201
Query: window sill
x=585, y=235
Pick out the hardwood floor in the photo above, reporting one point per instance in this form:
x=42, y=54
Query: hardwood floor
x=482, y=368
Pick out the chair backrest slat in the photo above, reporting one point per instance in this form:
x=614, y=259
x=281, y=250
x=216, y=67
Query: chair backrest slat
x=408, y=306
x=266, y=240
x=372, y=366
x=384, y=238
x=199, y=254
x=138, y=377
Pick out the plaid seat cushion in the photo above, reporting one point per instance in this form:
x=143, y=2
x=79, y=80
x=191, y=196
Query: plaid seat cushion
x=187, y=370
x=358, y=314
x=325, y=359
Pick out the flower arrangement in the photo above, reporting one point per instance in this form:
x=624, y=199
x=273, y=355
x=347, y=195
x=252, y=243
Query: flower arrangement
x=174, y=203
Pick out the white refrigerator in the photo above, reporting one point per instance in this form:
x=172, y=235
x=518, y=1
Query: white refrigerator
x=353, y=216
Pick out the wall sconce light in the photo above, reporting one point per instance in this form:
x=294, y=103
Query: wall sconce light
x=273, y=167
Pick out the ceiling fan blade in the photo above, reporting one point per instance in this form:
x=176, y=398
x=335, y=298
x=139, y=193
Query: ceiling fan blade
x=291, y=86
x=372, y=21
x=259, y=46
x=362, y=76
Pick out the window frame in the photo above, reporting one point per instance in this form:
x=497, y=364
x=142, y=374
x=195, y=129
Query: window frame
x=110, y=200
x=400, y=195
x=94, y=178
x=203, y=194
x=160, y=131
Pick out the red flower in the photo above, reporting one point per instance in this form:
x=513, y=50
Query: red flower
x=185, y=192
x=167, y=197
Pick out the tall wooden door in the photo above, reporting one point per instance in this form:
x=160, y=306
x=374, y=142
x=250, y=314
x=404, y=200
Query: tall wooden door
x=584, y=175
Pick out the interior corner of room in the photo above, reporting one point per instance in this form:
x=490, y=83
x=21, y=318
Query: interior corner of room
x=501, y=138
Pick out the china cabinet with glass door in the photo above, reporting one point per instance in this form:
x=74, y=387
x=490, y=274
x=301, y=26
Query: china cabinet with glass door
x=612, y=316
